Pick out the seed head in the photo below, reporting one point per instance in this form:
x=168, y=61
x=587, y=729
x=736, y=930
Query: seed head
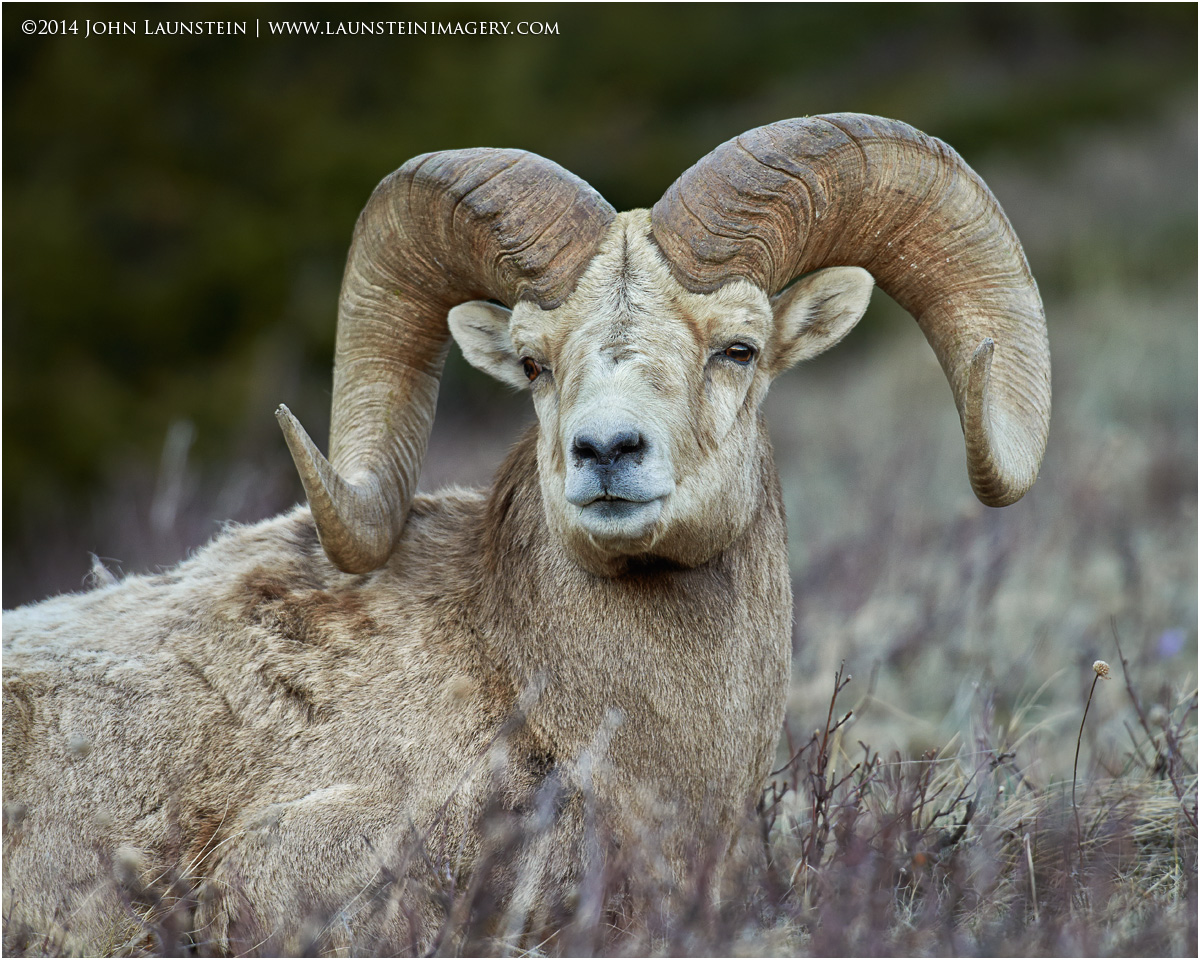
x=14, y=814
x=459, y=688
x=1102, y=670
x=78, y=746
x=128, y=864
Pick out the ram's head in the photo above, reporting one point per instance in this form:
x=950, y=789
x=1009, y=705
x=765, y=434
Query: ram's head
x=648, y=395
x=648, y=338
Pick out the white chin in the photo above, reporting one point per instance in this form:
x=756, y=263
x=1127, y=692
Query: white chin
x=609, y=520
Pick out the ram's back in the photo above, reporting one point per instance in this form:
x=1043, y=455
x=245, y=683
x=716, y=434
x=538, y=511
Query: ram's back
x=252, y=689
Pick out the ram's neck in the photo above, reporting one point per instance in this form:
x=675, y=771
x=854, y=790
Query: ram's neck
x=668, y=669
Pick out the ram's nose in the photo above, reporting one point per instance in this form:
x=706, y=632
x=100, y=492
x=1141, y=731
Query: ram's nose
x=616, y=461
x=598, y=450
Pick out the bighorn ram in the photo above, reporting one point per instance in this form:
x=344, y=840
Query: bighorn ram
x=281, y=720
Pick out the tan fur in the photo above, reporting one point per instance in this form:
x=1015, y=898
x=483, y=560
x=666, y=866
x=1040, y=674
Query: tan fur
x=306, y=755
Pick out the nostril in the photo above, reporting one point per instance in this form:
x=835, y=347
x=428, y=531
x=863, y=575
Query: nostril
x=627, y=443
x=604, y=452
x=585, y=448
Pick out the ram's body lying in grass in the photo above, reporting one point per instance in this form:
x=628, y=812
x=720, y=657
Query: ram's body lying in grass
x=327, y=714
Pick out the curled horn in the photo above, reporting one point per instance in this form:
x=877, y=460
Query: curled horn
x=443, y=229
x=854, y=190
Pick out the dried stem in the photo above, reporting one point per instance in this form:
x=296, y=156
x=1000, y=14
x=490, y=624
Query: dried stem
x=1075, y=768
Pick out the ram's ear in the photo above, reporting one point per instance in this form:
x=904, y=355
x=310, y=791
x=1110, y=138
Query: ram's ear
x=481, y=329
x=816, y=311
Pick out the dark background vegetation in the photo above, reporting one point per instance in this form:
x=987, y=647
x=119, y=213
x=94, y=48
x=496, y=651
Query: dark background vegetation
x=177, y=209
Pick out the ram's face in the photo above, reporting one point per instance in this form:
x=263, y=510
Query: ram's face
x=650, y=442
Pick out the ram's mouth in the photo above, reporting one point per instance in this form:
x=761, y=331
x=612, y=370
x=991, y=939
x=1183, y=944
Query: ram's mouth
x=609, y=504
x=608, y=517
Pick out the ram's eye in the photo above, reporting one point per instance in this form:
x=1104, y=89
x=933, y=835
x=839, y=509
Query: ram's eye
x=740, y=352
x=531, y=367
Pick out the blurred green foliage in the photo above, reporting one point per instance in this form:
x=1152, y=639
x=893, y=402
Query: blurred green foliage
x=177, y=209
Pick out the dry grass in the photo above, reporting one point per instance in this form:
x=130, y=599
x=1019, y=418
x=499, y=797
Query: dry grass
x=956, y=852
